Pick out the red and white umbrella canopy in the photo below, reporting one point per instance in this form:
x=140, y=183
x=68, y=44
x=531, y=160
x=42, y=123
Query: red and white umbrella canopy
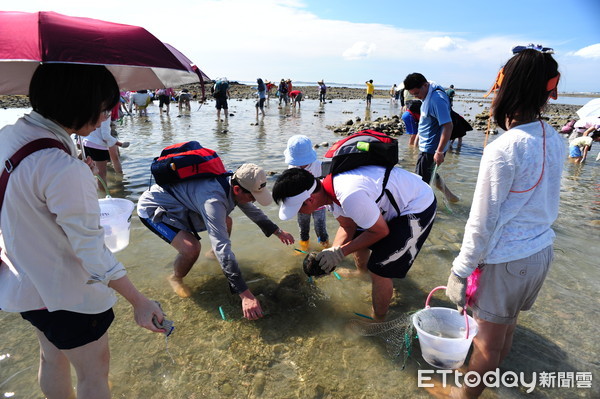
x=136, y=58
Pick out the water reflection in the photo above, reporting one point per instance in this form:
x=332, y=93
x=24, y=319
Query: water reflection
x=302, y=349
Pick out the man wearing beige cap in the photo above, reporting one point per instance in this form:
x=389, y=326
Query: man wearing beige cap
x=176, y=214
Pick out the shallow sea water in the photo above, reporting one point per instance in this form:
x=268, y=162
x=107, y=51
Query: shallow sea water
x=302, y=348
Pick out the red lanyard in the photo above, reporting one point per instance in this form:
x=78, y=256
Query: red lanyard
x=543, y=164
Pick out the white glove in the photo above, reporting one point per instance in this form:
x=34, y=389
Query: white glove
x=329, y=258
x=456, y=290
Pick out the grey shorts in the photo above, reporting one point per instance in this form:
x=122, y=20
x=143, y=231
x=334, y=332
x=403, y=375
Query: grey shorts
x=505, y=289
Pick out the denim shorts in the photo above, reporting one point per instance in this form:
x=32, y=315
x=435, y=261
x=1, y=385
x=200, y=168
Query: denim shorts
x=69, y=330
x=575, y=152
x=505, y=289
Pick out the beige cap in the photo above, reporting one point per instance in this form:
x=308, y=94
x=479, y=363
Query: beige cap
x=254, y=179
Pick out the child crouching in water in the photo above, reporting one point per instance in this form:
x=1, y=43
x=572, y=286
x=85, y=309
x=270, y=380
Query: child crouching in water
x=300, y=154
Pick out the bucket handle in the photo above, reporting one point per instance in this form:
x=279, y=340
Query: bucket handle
x=443, y=287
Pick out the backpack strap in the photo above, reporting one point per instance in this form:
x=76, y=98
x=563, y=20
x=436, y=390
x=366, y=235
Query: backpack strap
x=327, y=184
x=22, y=153
x=386, y=177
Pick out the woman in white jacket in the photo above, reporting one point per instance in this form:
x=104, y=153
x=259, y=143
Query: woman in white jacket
x=508, y=237
x=55, y=270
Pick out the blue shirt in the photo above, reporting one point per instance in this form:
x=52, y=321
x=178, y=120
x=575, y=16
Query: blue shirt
x=438, y=114
x=412, y=125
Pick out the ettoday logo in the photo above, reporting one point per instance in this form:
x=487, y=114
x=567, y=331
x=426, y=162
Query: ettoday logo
x=508, y=379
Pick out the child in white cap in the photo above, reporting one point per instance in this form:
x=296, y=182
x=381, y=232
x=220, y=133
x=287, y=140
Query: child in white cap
x=300, y=154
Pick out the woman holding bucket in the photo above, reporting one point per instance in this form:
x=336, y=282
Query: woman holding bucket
x=55, y=269
x=508, y=237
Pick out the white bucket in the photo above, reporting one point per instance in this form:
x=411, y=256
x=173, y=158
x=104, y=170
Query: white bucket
x=115, y=218
x=445, y=335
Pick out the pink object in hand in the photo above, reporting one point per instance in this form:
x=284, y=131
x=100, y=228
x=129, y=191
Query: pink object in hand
x=472, y=284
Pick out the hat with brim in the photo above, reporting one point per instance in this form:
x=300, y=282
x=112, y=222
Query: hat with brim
x=299, y=151
x=254, y=179
x=291, y=205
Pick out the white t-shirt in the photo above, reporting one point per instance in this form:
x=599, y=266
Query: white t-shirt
x=358, y=189
x=581, y=142
x=100, y=138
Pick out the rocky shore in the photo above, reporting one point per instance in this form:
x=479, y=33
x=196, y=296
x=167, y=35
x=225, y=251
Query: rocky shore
x=556, y=114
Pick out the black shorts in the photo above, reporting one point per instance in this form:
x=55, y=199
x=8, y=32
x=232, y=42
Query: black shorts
x=260, y=103
x=163, y=99
x=96, y=154
x=69, y=330
x=221, y=103
x=393, y=255
x=425, y=166
x=369, y=97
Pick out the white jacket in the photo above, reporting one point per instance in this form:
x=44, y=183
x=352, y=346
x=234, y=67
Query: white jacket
x=505, y=225
x=50, y=234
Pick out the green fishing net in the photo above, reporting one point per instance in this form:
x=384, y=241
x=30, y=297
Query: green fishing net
x=398, y=335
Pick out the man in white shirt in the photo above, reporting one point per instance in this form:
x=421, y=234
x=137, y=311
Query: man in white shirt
x=393, y=225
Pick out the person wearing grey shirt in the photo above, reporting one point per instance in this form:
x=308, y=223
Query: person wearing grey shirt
x=181, y=210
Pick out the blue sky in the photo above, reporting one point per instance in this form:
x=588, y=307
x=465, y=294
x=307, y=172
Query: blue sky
x=451, y=42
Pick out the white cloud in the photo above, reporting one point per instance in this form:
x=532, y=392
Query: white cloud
x=592, y=51
x=359, y=50
x=272, y=39
x=441, y=43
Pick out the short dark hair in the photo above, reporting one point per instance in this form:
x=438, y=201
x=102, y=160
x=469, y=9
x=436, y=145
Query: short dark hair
x=414, y=81
x=523, y=93
x=292, y=182
x=234, y=182
x=72, y=95
x=414, y=106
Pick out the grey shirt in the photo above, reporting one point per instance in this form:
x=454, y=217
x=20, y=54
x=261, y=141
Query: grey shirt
x=205, y=204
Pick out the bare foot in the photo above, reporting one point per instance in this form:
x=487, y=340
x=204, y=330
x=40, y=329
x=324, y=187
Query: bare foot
x=180, y=288
x=210, y=255
x=452, y=198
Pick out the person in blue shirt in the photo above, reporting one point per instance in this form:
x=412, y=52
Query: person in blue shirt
x=411, y=121
x=435, y=128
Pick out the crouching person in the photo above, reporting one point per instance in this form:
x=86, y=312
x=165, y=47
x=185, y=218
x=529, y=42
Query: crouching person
x=384, y=232
x=188, y=207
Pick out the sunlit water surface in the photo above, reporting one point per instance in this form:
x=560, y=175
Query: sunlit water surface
x=302, y=348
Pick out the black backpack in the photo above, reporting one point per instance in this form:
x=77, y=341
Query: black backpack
x=363, y=148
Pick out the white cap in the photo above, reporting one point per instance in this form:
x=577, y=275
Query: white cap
x=291, y=205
